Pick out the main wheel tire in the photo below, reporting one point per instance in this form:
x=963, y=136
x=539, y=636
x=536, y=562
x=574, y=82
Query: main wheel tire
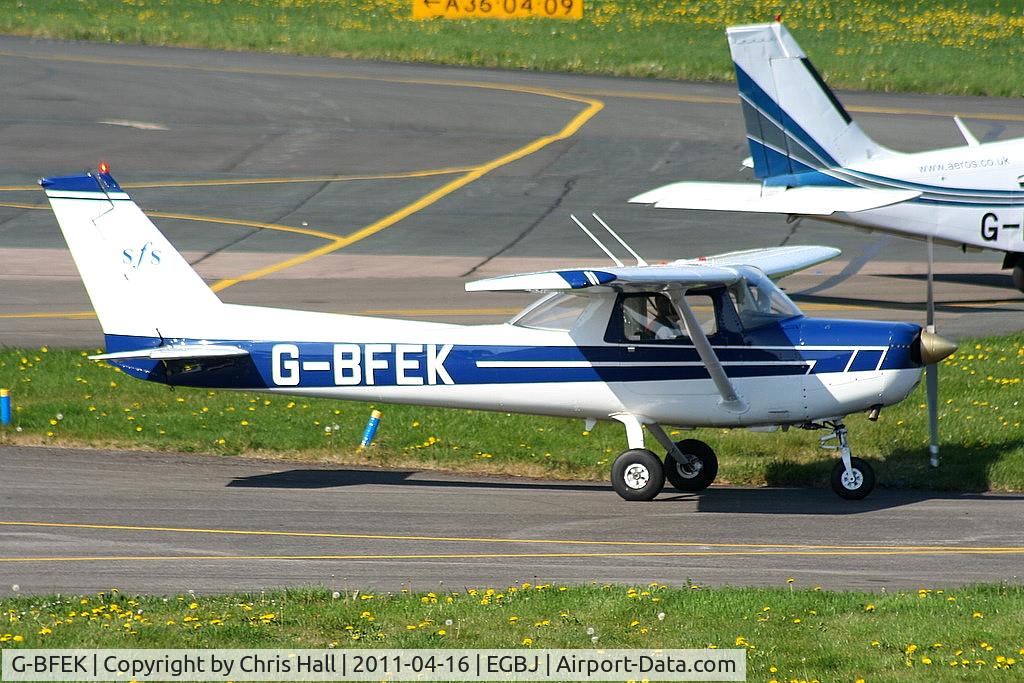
x=856, y=484
x=1018, y=276
x=637, y=474
x=696, y=478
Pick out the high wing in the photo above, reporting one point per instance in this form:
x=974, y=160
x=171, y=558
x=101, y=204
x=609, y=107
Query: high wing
x=806, y=200
x=775, y=262
x=625, y=277
x=176, y=352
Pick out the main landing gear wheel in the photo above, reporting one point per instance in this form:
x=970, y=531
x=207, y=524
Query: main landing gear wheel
x=697, y=475
x=855, y=484
x=638, y=474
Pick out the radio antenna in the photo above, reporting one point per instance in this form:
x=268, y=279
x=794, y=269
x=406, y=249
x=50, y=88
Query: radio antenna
x=639, y=259
x=596, y=241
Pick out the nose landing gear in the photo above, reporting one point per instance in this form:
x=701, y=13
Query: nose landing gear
x=852, y=478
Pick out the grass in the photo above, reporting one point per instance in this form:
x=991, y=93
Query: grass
x=972, y=633
x=62, y=398
x=916, y=45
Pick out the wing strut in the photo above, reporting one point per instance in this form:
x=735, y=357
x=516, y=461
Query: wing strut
x=731, y=400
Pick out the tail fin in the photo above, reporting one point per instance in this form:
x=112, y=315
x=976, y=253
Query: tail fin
x=794, y=122
x=138, y=283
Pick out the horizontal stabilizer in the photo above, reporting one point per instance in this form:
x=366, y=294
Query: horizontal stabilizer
x=176, y=352
x=805, y=200
x=775, y=262
x=626, y=277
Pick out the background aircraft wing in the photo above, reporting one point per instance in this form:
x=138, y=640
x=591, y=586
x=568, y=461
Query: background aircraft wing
x=806, y=200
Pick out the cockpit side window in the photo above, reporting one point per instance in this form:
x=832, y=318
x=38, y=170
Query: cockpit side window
x=652, y=318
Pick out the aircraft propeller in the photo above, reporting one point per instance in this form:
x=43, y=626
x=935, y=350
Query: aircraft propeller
x=932, y=349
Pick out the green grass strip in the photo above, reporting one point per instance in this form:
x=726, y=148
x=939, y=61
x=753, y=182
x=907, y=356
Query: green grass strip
x=970, y=47
x=62, y=398
x=972, y=633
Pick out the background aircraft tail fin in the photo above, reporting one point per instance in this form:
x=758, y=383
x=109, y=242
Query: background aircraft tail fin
x=794, y=122
x=138, y=283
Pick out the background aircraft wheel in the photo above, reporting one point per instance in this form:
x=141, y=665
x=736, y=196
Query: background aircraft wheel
x=637, y=474
x=1018, y=276
x=698, y=477
x=855, y=485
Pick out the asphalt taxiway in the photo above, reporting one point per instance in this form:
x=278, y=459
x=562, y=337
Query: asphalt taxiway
x=77, y=521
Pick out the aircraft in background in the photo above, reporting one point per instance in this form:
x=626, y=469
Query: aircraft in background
x=710, y=342
x=814, y=161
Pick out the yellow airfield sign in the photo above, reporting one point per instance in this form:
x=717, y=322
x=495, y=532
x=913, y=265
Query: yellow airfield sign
x=497, y=9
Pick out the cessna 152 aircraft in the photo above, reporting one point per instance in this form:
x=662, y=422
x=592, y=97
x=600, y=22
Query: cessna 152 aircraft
x=814, y=161
x=693, y=343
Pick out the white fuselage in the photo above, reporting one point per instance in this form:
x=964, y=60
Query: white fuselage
x=970, y=195
x=575, y=373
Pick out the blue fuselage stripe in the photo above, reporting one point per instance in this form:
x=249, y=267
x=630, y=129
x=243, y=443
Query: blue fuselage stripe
x=878, y=346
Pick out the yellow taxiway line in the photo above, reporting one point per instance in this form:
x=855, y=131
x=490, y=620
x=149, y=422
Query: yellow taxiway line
x=735, y=100
x=221, y=182
x=479, y=556
x=577, y=122
x=731, y=547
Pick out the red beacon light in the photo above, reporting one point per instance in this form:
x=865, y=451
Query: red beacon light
x=104, y=167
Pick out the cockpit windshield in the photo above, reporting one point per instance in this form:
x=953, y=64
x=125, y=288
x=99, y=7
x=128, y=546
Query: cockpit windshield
x=759, y=301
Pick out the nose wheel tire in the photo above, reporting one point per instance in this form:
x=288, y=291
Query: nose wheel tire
x=637, y=474
x=697, y=476
x=855, y=484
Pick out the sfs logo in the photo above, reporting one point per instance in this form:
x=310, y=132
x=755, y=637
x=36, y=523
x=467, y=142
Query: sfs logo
x=136, y=258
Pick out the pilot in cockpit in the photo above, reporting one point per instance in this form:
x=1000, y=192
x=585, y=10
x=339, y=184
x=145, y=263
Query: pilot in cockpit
x=665, y=323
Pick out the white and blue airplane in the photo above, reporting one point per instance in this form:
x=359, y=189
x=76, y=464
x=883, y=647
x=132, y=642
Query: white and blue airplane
x=813, y=160
x=710, y=342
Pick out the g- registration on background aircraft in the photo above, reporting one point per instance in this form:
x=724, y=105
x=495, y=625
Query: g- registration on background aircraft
x=813, y=160
x=694, y=343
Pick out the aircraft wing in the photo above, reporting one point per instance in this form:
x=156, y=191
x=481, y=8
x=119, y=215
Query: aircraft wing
x=176, y=352
x=689, y=274
x=804, y=200
x=775, y=262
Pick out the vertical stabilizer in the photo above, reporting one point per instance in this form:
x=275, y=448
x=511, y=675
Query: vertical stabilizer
x=132, y=273
x=794, y=122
